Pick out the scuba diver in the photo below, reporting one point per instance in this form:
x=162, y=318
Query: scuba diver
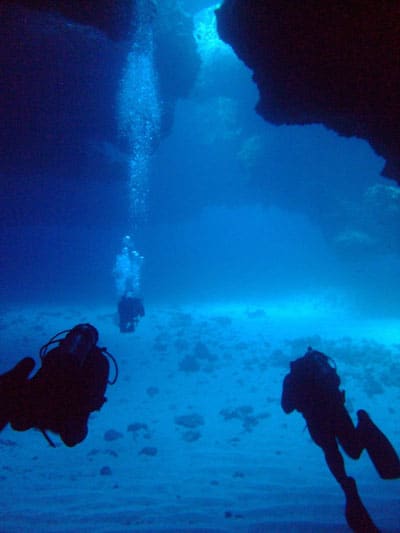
x=127, y=273
x=70, y=385
x=312, y=388
x=130, y=310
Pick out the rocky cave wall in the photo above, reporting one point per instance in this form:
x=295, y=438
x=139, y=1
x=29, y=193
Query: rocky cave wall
x=62, y=61
x=334, y=62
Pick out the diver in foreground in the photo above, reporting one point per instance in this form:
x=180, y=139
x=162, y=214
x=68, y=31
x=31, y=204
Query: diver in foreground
x=312, y=388
x=70, y=384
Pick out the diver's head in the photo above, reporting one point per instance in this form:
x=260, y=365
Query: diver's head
x=314, y=353
x=80, y=341
x=127, y=242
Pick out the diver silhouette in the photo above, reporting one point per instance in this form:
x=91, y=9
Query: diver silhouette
x=69, y=385
x=127, y=273
x=130, y=310
x=312, y=388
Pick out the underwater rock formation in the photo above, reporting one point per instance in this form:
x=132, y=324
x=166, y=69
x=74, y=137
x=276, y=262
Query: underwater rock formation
x=57, y=93
x=151, y=451
x=190, y=421
x=372, y=226
x=176, y=57
x=61, y=66
x=112, y=434
x=334, y=63
x=109, y=16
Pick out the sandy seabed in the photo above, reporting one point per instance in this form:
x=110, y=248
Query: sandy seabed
x=192, y=437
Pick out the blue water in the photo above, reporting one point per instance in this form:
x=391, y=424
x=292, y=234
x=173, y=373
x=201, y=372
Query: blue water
x=231, y=214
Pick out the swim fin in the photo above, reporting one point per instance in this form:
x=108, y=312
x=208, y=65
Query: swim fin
x=356, y=514
x=379, y=448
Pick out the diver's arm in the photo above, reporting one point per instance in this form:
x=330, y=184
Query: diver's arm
x=288, y=400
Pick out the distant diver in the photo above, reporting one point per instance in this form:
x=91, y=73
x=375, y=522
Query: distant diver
x=312, y=388
x=127, y=272
x=130, y=310
x=70, y=384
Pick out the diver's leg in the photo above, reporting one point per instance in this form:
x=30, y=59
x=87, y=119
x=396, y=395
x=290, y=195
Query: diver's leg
x=324, y=437
x=356, y=514
x=348, y=435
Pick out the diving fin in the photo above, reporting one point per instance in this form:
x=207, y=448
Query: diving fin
x=379, y=448
x=357, y=516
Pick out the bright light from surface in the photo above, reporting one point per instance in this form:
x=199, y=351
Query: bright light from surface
x=209, y=44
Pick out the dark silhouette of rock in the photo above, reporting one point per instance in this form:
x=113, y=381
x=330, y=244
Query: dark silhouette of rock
x=191, y=436
x=330, y=62
x=148, y=450
x=112, y=434
x=190, y=421
x=112, y=17
x=105, y=471
x=61, y=64
x=139, y=429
